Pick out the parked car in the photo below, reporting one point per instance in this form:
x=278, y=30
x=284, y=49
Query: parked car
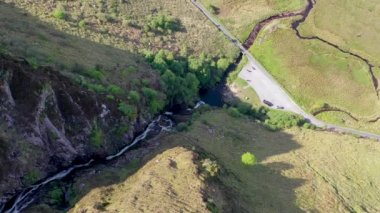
x=280, y=107
x=268, y=103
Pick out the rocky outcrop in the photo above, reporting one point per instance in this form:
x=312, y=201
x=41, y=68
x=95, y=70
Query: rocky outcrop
x=47, y=121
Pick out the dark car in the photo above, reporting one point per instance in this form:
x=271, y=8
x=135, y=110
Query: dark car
x=280, y=107
x=268, y=103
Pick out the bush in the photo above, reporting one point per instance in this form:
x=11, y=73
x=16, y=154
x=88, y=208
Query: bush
x=162, y=23
x=95, y=74
x=134, y=96
x=211, y=167
x=31, y=177
x=245, y=108
x=82, y=24
x=98, y=88
x=248, y=159
x=308, y=126
x=96, y=137
x=283, y=119
x=59, y=13
x=115, y=90
x=233, y=112
x=56, y=196
x=214, y=10
x=128, y=110
x=182, y=127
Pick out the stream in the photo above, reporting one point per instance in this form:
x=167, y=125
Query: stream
x=26, y=197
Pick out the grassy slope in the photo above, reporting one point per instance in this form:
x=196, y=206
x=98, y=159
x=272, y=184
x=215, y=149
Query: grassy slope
x=167, y=183
x=41, y=44
x=298, y=169
x=240, y=16
x=121, y=24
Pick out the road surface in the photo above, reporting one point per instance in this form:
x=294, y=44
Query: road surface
x=267, y=88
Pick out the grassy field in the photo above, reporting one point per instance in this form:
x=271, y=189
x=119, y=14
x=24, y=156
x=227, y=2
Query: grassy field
x=240, y=16
x=313, y=72
x=356, y=29
x=298, y=170
x=303, y=65
x=316, y=73
x=123, y=25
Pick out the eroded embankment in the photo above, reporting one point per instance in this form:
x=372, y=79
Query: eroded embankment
x=334, y=109
x=256, y=30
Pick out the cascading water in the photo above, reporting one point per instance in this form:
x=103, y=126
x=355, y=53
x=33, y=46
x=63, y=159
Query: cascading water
x=25, y=198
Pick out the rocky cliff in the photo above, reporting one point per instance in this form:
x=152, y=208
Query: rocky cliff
x=47, y=122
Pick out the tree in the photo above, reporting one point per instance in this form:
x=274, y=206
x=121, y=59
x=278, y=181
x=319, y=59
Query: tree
x=128, y=110
x=248, y=159
x=223, y=64
x=192, y=88
x=159, y=61
x=178, y=67
x=170, y=85
x=156, y=103
x=134, y=96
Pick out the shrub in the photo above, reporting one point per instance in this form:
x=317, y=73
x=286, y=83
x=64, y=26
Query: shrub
x=223, y=64
x=245, y=108
x=212, y=207
x=121, y=130
x=31, y=177
x=56, y=196
x=82, y=24
x=211, y=167
x=98, y=88
x=308, y=126
x=162, y=23
x=233, y=112
x=128, y=110
x=134, y=96
x=33, y=62
x=182, y=127
x=248, y=159
x=115, y=90
x=214, y=10
x=96, y=137
x=95, y=74
x=59, y=13
x=283, y=119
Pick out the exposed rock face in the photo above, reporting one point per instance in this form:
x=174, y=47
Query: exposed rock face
x=46, y=121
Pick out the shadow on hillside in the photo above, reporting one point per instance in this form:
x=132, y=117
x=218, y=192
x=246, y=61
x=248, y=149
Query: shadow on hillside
x=41, y=43
x=261, y=188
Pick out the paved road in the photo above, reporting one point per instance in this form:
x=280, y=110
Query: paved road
x=267, y=88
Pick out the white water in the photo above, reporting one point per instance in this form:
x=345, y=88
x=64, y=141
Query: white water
x=26, y=197
x=22, y=200
x=143, y=135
